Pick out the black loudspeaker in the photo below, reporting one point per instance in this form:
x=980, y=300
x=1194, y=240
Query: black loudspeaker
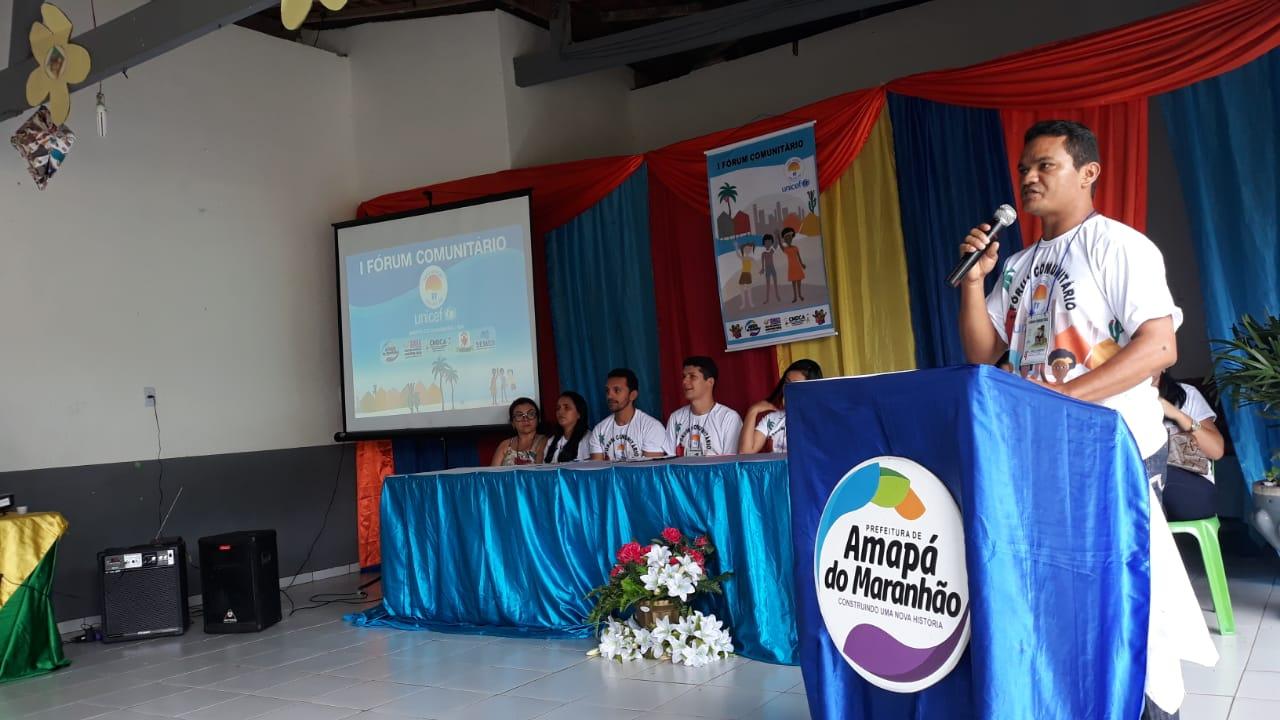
x=144, y=590
x=240, y=577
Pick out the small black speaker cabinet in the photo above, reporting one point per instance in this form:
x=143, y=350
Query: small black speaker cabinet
x=240, y=578
x=144, y=590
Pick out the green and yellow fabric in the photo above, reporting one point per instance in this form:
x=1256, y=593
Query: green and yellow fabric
x=29, y=641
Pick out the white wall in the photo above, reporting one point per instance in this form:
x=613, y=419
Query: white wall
x=188, y=250
x=576, y=118
x=427, y=101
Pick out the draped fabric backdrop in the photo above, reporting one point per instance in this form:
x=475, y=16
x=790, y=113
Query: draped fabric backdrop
x=1225, y=134
x=600, y=277
x=683, y=259
x=951, y=175
x=1103, y=80
x=942, y=186
x=866, y=269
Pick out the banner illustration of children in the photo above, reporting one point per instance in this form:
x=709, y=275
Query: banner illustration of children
x=763, y=195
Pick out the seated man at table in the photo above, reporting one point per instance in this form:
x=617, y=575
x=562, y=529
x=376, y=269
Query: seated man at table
x=704, y=426
x=628, y=433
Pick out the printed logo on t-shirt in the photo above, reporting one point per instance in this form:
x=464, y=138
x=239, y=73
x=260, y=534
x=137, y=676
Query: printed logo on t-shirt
x=620, y=446
x=693, y=441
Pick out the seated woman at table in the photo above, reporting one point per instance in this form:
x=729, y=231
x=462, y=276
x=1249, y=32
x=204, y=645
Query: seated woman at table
x=769, y=417
x=569, y=444
x=527, y=446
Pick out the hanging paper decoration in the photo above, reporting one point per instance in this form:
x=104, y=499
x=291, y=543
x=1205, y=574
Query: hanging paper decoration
x=59, y=63
x=43, y=144
x=293, y=12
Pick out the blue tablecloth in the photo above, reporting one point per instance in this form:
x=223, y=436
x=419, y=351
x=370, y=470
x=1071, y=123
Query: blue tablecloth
x=515, y=551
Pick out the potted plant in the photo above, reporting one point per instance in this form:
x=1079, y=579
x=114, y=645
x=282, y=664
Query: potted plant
x=1248, y=369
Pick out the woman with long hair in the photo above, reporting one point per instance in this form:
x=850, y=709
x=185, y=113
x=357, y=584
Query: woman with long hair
x=527, y=445
x=1194, y=443
x=570, y=444
x=767, y=419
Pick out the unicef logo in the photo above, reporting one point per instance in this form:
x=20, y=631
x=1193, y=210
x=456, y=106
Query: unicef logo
x=889, y=566
x=433, y=286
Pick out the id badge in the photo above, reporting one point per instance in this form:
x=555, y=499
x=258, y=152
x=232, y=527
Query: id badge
x=1035, y=343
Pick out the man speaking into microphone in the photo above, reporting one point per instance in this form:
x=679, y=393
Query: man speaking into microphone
x=1094, y=287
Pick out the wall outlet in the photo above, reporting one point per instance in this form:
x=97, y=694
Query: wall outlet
x=149, y=396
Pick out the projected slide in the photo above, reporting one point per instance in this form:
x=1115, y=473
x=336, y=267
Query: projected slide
x=438, y=324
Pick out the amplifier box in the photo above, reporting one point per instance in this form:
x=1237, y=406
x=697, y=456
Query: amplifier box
x=144, y=590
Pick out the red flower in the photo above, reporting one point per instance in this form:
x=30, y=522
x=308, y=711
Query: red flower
x=672, y=535
x=631, y=553
x=702, y=541
x=616, y=571
x=674, y=561
x=698, y=558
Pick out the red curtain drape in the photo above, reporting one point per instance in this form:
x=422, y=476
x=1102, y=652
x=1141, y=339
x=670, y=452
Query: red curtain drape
x=688, y=306
x=1104, y=80
x=559, y=193
x=684, y=272
x=1140, y=59
x=843, y=124
x=1122, y=142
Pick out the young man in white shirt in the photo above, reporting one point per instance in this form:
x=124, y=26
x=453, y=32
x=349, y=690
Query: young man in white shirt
x=628, y=433
x=704, y=426
x=1095, y=289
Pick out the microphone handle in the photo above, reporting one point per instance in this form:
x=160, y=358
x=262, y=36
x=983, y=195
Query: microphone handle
x=971, y=259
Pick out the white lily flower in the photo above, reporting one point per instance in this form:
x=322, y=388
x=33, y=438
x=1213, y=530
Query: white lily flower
x=658, y=556
x=662, y=630
x=652, y=579
x=688, y=565
x=680, y=587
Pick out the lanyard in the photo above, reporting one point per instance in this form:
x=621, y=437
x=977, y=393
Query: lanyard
x=1053, y=286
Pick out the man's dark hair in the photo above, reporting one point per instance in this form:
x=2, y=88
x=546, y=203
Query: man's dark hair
x=1062, y=354
x=787, y=231
x=1081, y=144
x=633, y=382
x=705, y=365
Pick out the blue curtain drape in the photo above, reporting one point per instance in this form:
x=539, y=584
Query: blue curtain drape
x=429, y=453
x=953, y=173
x=1225, y=134
x=600, y=278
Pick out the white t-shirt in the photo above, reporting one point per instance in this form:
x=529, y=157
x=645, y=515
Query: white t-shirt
x=1097, y=282
x=631, y=441
x=1196, y=408
x=774, y=426
x=584, y=452
x=715, y=433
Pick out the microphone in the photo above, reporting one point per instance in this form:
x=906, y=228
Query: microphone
x=1004, y=217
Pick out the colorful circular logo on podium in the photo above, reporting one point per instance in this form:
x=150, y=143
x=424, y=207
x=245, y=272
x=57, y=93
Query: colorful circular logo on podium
x=433, y=286
x=889, y=566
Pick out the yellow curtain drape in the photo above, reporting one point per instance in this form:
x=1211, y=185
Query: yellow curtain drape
x=866, y=269
x=24, y=541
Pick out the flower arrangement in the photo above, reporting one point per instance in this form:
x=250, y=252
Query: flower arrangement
x=694, y=640
x=658, y=581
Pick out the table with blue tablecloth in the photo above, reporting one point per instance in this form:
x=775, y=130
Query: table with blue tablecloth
x=514, y=551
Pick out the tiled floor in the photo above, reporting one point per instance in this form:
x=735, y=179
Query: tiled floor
x=313, y=666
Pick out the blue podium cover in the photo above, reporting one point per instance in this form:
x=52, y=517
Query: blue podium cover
x=515, y=551
x=1055, y=513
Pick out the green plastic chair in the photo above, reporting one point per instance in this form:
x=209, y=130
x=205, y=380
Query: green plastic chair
x=1206, y=534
